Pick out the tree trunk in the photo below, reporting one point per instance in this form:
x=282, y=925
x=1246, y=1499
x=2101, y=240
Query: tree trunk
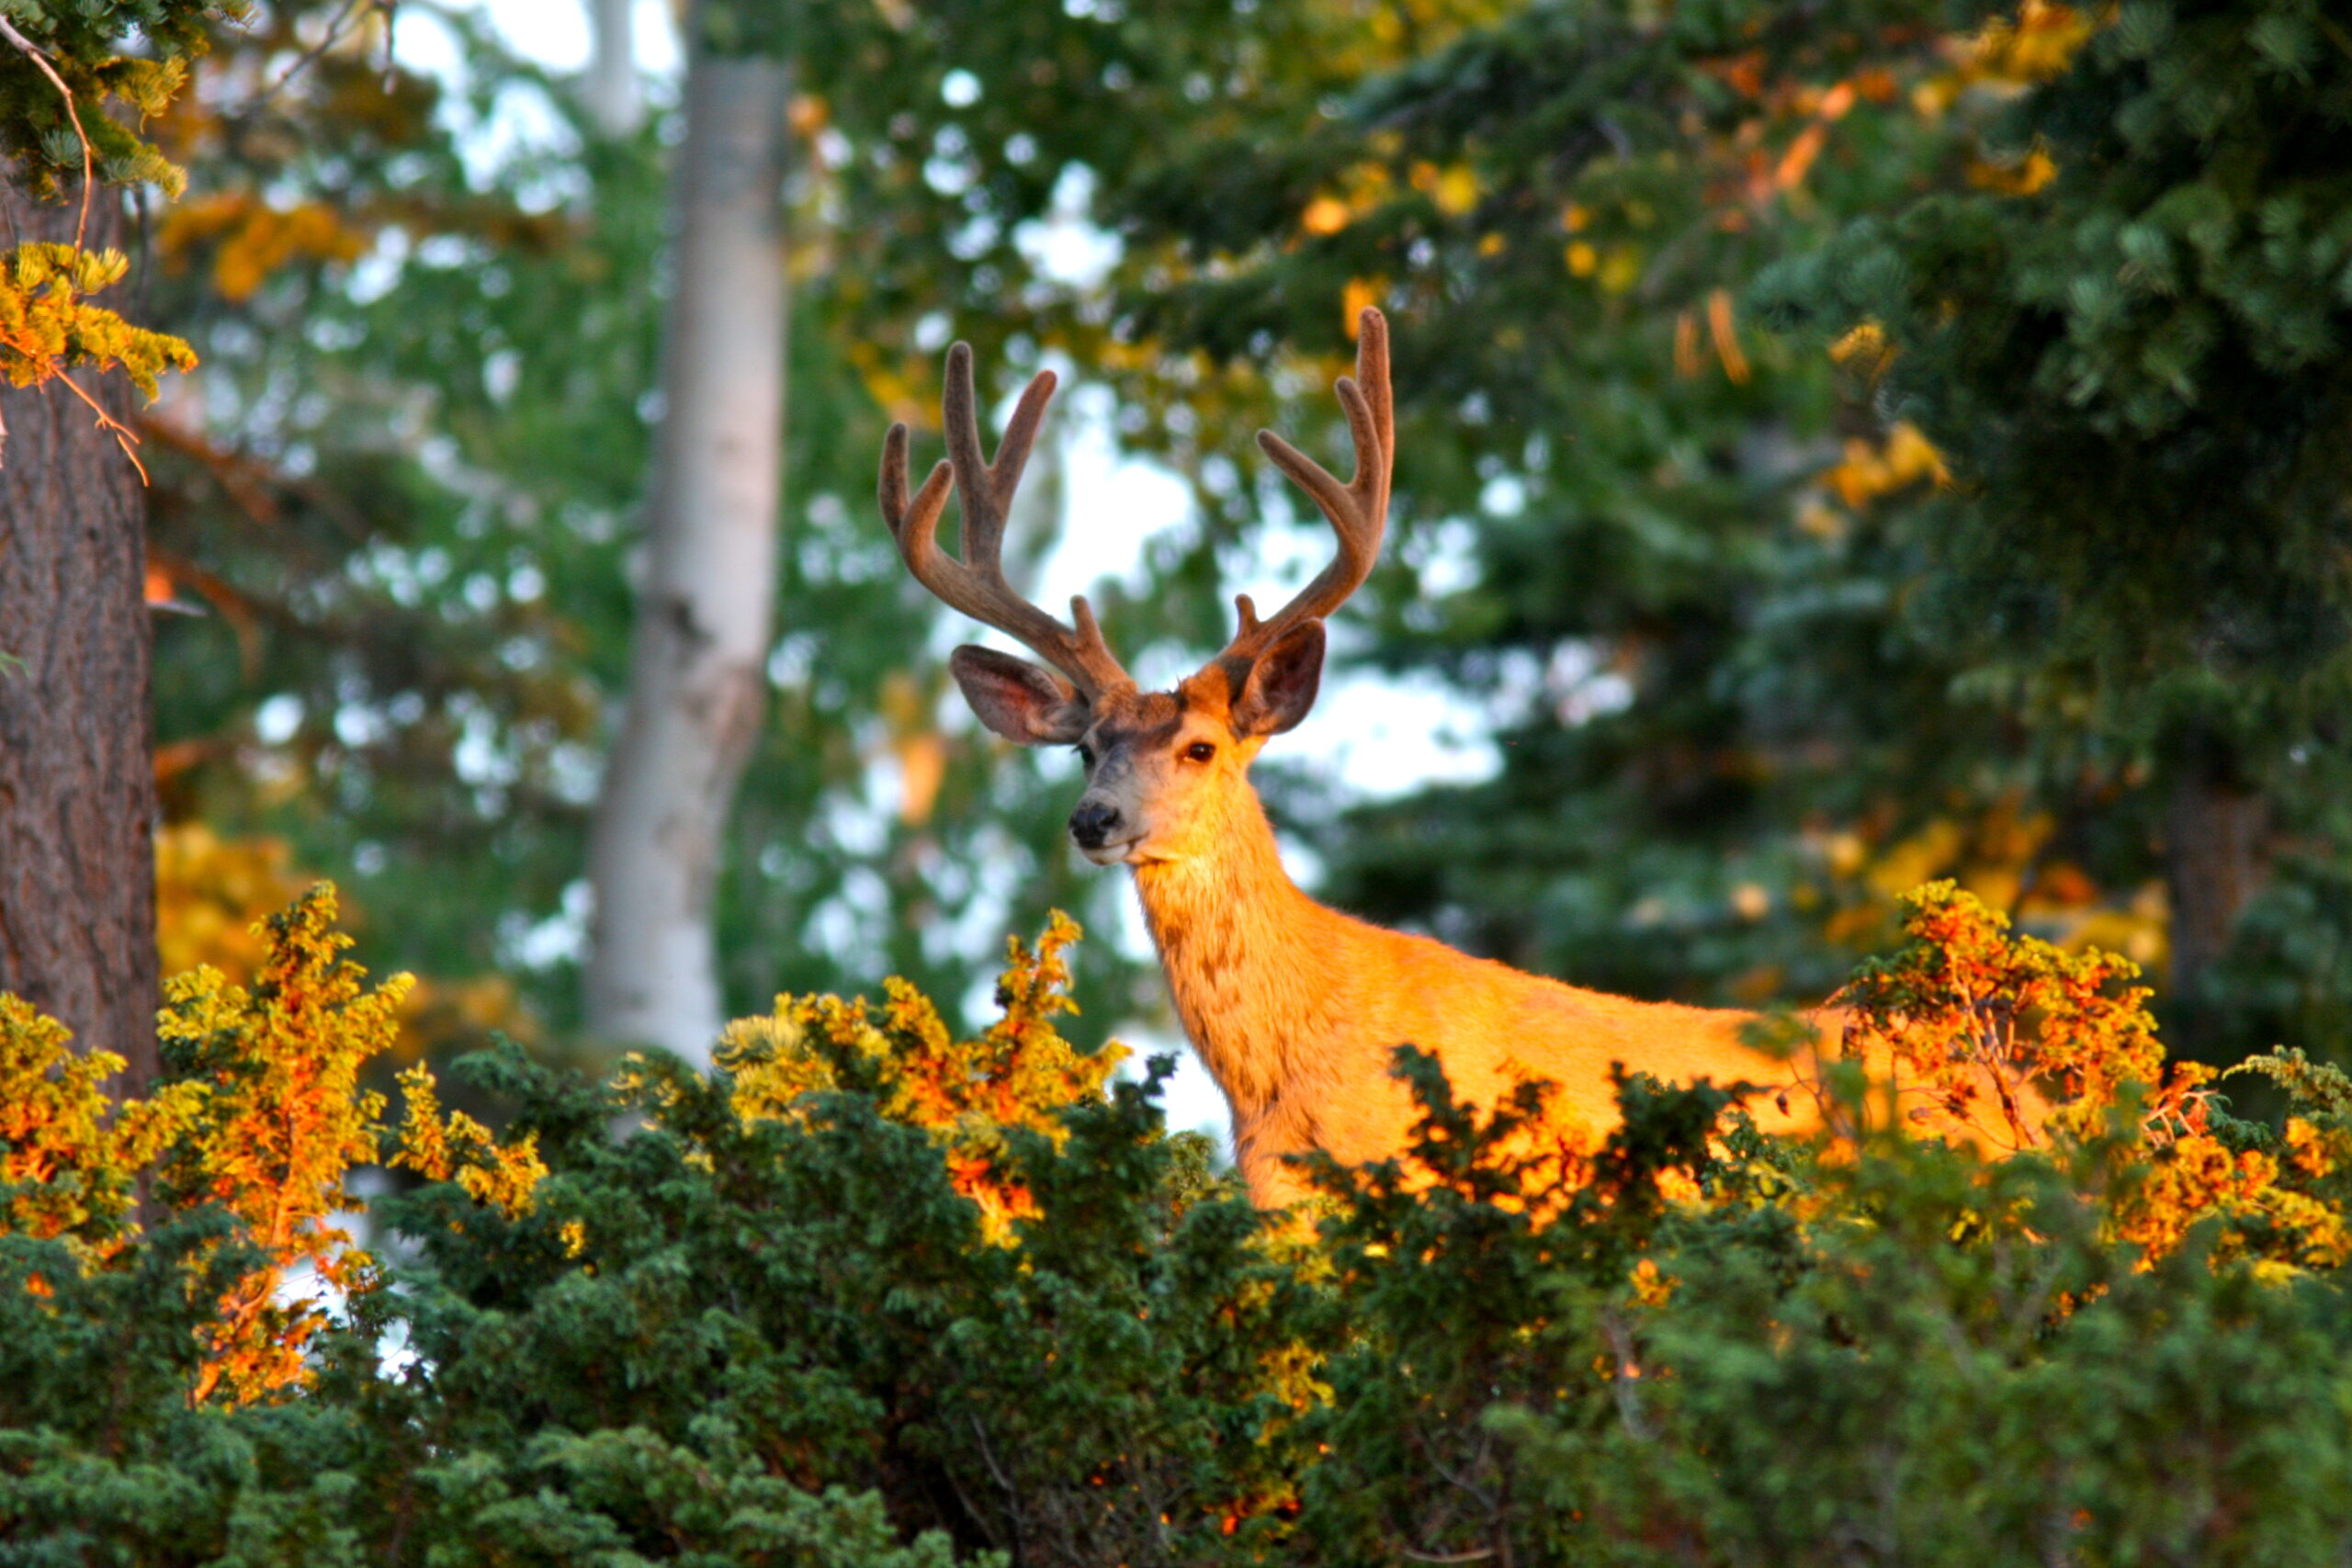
x=77, y=783
x=699, y=655
x=610, y=90
x=2217, y=856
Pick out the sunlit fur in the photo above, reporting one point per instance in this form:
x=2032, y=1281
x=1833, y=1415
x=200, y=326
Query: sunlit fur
x=1295, y=1008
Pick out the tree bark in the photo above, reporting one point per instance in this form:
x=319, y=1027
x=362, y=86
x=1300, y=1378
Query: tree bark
x=610, y=90
x=77, y=783
x=2217, y=857
x=697, y=669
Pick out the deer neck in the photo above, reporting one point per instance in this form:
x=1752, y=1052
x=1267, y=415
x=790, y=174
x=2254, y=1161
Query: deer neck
x=1239, y=944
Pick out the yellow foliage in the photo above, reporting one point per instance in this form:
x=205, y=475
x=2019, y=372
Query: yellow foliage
x=1863, y=345
x=2034, y=46
x=253, y=238
x=1621, y=268
x=809, y=114
x=259, y=1115
x=1969, y=1002
x=2139, y=928
x=276, y=1122
x=1652, y=1287
x=69, y=1152
x=1902, y=459
x=48, y=328
x=211, y=895
x=965, y=1093
x=2020, y=176
x=462, y=1013
x=1687, y=363
x=1453, y=190
x=1726, y=336
x=1325, y=215
x=894, y=385
x=1820, y=521
x=458, y=1148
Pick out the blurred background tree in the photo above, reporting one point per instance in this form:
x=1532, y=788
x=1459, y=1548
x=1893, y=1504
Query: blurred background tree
x=408, y=479
x=1653, y=541
x=1703, y=515
x=705, y=605
x=2129, y=328
x=2045, y=589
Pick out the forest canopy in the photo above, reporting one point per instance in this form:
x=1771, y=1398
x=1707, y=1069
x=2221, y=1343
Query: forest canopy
x=1706, y=522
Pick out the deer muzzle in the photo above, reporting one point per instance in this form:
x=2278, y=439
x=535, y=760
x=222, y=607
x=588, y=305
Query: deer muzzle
x=1099, y=830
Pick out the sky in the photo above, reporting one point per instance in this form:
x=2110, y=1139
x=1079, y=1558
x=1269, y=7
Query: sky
x=1370, y=735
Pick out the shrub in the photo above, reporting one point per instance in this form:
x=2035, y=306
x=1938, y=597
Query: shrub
x=870, y=1294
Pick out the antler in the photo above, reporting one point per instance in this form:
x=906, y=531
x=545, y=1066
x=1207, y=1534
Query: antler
x=975, y=584
x=1358, y=510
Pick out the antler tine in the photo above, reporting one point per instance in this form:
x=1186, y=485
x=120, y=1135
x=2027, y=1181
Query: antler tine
x=1357, y=510
x=922, y=510
x=984, y=488
x=975, y=584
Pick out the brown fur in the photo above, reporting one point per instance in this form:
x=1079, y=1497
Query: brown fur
x=1295, y=1008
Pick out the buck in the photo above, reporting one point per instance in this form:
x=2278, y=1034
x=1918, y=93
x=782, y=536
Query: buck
x=1295, y=1008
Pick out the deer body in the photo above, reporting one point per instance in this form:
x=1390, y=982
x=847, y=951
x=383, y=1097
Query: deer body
x=1297, y=1009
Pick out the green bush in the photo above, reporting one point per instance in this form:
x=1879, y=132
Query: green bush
x=867, y=1294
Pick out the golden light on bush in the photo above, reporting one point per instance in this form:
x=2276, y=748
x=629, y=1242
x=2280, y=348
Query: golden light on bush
x=864, y=1247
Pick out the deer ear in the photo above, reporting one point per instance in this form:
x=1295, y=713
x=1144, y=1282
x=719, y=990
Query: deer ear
x=1282, y=684
x=1017, y=699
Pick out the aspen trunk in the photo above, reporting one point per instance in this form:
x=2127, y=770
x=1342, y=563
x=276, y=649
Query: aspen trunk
x=610, y=90
x=703, y=609
x=77, y=784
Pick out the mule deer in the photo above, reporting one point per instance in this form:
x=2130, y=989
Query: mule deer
x=1295, y=1008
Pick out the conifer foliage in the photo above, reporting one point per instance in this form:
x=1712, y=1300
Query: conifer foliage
x=867, y=1294
x=2131, y=332
x=47, y=324
x=2033, y=579
x=61, y=68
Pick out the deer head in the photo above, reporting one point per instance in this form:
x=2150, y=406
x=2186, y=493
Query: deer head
x=1161, y=767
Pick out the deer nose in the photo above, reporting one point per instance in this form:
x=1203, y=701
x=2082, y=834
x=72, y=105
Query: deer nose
x=1092, y=822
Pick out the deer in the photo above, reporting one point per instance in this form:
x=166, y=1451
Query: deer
x=1295, y=1008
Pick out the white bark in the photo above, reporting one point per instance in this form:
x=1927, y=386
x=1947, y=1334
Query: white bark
x=698, y=661
x=610, y=90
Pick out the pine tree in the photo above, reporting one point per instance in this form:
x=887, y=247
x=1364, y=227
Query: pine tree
x=77, y=797
x=2132, y=334
x=1773, y=649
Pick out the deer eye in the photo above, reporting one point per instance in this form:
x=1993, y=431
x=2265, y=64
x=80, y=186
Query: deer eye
x=1085, y=754
x=1201, y=751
